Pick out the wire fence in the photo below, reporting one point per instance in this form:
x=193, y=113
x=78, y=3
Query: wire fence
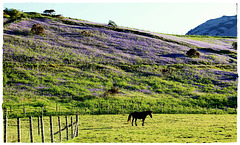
x=58, y=126
x=51, y=129
x=28, y=110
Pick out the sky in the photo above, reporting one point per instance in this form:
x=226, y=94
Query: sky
x=172, y=17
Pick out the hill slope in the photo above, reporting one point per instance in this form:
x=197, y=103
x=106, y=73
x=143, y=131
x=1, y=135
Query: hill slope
x=75, y=62
x=223, y=26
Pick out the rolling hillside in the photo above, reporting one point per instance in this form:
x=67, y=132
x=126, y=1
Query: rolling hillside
x=223, y=26
x=76, y=62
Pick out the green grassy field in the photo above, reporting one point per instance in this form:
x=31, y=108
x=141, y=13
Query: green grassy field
x=162, y=128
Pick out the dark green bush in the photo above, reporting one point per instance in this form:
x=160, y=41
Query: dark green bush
x=112, y=91
x=193, y=53
x=13, y=13
x=111, y=23
x=86, y=33
x=37, y=29
x=234, y=45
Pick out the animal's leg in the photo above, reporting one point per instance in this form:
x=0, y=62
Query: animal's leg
x=143, y=122
x=132, y=121
x=136, y=121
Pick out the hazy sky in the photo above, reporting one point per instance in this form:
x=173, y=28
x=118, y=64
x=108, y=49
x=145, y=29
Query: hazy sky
x=173, y=18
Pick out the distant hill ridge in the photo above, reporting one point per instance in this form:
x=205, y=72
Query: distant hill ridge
x=223, y=26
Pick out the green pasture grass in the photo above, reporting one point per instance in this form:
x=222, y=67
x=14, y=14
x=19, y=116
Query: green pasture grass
x=162, y=128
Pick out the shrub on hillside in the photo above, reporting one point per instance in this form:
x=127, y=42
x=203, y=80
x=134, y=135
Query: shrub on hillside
x=165, y=71
x=193, y=53
x=86, y=33
x=111, y=23
x=234, y=45
x=13, y=13
x=112, y=91
x=5, y=15
x=37, y=29
x=58, y=16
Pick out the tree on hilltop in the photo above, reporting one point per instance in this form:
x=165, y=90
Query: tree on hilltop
x=112, y=23
x=49, y=11
x=46, y=11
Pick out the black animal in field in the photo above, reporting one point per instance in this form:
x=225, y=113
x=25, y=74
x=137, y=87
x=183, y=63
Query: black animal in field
x=139, y=115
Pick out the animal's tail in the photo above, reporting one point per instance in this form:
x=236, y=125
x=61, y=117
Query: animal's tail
x=129, y=117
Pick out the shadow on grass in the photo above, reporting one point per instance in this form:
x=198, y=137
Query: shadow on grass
x=173, y=55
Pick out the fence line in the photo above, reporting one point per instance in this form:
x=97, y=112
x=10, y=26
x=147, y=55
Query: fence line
x=42, y=129
x=5, y=126
x=59, y=127
x=26, y=132
x=113, y=108
x=31, y=129
x=39, y=130
x=19, y=129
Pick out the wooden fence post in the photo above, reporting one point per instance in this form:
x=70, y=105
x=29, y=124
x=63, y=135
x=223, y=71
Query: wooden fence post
x=66, y=126
x=5, y=126
x=76, y=126
x=122, y=110
x=42, y=129
x=77, y=109
x=51, y=128
x=56, y=107
x=18, y=129
x=216, y=109
x=163, y=108
x=160, y=108
x=59, y=126
x=31, y=129
x=100, y=108
x=59, y=110
x=112, y=108
x=42, y=109
x=38, y=125
x=72, y=126
x=24, y=110
x=126, y=105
